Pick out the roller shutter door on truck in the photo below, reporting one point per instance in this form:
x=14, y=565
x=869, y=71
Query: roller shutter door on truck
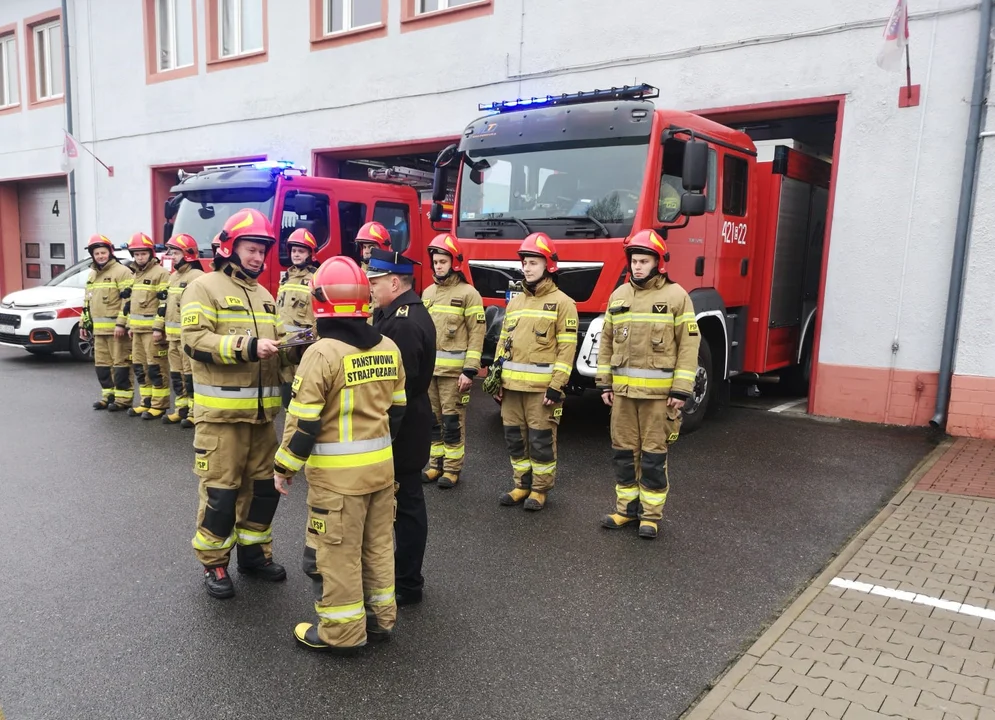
x=43, y=209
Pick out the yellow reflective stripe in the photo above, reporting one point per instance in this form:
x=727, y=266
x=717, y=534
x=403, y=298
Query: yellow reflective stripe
x=380, y=596
x=305, y=411
x=175, y=290
x=160, y=392
x=225, y=351
x=445, y=310
x=551, y=314
x=454, y=453
x=437, y=450
x=104, y=285
x=685, y=318
x=355, y=460
x=665, y=318
x=627, y=492
x=473, y=310
x=136, y=323
x=127, y=283
x=244, y=536
x=288, y=460
x=203, y=542
x=345, y=416
x=104, y=325
x=448, y=362
x=235, y=403
x=196, y=307
x=524, y=376
x=295, y=287
x=340, y=614
x=685, y=374
x=181, y=401
x=567, y=338
x=561, y=367
x=543, y=469
x=652, y=497
x=604, y=370
x=170, y=331
x=521, y=465
x=648, y=383
x=399, y=398
x=128, y=395
x=234, y=315
x=472, y=354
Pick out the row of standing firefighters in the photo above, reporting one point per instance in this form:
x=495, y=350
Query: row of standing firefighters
x=375, y=400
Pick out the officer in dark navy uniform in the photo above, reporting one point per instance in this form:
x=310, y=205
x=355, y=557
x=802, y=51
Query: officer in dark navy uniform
x=401, y=316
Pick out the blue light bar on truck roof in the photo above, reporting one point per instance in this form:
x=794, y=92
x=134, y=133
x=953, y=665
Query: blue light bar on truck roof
x=626, y=92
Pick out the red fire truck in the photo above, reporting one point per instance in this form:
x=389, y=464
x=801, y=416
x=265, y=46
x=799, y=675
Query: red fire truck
x=333, y=210
x=591, y=168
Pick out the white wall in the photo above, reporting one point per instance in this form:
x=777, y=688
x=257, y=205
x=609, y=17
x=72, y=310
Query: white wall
x=427, y=83
x=30, y=140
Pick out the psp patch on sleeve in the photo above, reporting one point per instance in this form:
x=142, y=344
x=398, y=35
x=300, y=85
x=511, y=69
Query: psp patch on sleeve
x=191, y=319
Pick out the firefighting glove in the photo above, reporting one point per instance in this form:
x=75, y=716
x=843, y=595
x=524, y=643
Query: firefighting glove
x=553, y=395
x=126, y=293
x=470, y=373
x=162, y=294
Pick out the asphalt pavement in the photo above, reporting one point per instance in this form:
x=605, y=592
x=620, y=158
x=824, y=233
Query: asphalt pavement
x=526, y=615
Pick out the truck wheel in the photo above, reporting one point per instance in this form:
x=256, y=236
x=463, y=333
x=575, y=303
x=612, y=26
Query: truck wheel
x=80, y=349
x=696, y=408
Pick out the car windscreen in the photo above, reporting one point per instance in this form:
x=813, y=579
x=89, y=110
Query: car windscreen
x=203, y=213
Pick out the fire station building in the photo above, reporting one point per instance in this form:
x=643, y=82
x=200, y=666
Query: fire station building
x=362, y=89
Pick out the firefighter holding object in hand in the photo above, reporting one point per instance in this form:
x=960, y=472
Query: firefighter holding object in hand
x=293, y=299
x=144, y=308
x=537, y=346
x=230, y=329
x=107, y=290
x=348, y=401
x=458, y=313
x=647, y=362
x=186, y=268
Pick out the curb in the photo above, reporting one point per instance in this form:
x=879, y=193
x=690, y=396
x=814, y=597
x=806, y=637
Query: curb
x=727, y=682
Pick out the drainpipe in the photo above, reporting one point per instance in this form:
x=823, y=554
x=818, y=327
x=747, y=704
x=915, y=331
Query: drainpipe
x=67, y=81
x=964, y=213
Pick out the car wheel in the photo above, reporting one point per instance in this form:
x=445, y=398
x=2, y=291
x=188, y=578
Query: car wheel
x=79, y=348
x=696, y=408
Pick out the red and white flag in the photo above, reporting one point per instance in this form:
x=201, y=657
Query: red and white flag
x=896, y=37
x=70, y=153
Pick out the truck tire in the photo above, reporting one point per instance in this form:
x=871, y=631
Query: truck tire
x=698, y=406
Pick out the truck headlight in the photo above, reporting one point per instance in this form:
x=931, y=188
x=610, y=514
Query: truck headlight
x=47, y=315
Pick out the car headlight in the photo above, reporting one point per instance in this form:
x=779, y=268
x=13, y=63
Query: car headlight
x=47, y=315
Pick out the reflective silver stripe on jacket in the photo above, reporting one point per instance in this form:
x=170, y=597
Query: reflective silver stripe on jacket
x=640, y=373
x=449, y=355
x=351, y=448
x=294, y=328
x=103, y=319
x=173, y=325
x=529, y=367
x=229, y=392
x=142, y=317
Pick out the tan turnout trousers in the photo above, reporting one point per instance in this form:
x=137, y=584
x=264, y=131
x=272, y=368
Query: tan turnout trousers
x=448, y=433
x=642, y=431
x=530, y=436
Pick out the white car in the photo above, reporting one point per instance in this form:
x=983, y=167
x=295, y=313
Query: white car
x=45, y=319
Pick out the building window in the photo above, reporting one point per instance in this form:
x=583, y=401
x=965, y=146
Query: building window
x=8, y=71
x=734, y=184
x=240, y=27
x=345, y=15
x=48, y=60
x=174, y=34
x=427, y=6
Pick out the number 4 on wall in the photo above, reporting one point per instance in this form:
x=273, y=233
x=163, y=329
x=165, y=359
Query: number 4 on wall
x=55, y=208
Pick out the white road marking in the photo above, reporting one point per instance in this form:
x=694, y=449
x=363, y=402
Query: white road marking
x=788, y=405
x=917, y=598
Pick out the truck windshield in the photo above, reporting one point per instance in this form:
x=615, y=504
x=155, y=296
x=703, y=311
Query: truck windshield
x=203, y=213
x=552, y=184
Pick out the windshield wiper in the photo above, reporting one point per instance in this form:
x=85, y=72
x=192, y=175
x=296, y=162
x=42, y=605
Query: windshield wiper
x=502, y=217
x=584, y=218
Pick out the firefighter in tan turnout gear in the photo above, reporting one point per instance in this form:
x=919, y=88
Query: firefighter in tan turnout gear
x=348, y=401
x=144, y=309
x=104, y=317
x=230, y=329
x=293, y=299
x=647, y=362
x=371, y=235
x=186, y=268
x=458, y=314
x=536, y=349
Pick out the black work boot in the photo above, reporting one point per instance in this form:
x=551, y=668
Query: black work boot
x=101, y=405
x=218, y=583
x=408, y=597
x=307, y=635
x=375, y=633
x=115, y=407
x=252, y=561
x=143, y=406
x=186, y=423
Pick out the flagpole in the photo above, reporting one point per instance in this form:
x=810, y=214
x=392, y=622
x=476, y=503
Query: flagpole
x=110, y=169
x=68, y=86
x=908, y=74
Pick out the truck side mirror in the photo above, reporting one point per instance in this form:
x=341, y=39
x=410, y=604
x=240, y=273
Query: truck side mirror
x=693, y=205
x=167, y=230
x=695, y=172
x=440, y=184
x=305, y=204
x=435, y=214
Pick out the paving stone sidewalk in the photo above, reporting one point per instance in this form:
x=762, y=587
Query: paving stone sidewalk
x=902, y=624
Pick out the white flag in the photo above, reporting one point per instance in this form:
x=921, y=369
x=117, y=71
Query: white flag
x=70, y=153
x=896, y=37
